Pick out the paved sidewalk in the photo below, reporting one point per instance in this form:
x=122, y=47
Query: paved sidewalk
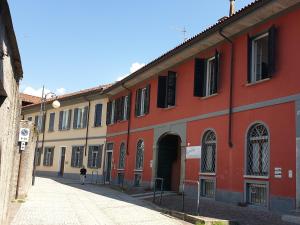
x=53, y=202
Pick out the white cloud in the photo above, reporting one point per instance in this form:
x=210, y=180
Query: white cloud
x=38, y=92
x=134, y=67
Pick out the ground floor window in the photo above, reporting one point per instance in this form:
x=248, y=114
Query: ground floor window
x=121, y=178
x=38, y=157
x=256, y=194
x=208, y=188
x=48, y=156
x=95, y=156
x=77, y=156
x=137, y=179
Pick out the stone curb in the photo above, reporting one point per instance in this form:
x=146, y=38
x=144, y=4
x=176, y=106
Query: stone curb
x=192, y=219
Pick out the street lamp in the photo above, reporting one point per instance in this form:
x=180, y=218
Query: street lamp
x=41, y=123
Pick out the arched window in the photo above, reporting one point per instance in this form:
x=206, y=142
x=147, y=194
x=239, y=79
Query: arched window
x=139, y=155
x=122, y=156
x=258, y=150
x=208, y=155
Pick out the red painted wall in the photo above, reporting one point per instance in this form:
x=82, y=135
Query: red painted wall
x=280, y=118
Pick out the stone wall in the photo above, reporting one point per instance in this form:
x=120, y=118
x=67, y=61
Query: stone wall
x=9, y=124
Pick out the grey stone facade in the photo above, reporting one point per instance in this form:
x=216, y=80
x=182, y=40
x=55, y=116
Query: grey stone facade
x=10, y=74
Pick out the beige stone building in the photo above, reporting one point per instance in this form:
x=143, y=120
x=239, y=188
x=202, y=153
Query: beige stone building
x=71, y=136
x=10, y=75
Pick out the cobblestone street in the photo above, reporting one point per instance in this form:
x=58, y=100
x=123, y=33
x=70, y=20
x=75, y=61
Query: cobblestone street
x=53, y=202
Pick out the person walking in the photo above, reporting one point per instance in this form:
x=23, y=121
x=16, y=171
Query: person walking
x=82, y=175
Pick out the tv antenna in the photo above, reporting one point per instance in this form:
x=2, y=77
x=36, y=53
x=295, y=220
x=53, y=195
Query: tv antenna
x=183, y=31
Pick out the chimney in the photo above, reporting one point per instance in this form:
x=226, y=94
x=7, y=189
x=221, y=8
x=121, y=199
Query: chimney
x=232, y=10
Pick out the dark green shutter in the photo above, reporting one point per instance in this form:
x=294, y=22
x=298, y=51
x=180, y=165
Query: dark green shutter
x=52, y=156
x=73, y=156
x=171, y=88
x=116, y=110
x=216, y=74
x=51, y=121
x=122, y=104
x=249, y=59
x=75, y=118
x=44, y=161
x=81, y=156
x=85, y=116
x=128, y=107
x=98, y=115
x=147, y=99
x=161, y=92
x=138, y=102
x=61, y=113
x=99, y=161
x=271, y=51
x=108, y=113
x=199, y=77
x=90, y=158
x=70, y=118
x=36, y=120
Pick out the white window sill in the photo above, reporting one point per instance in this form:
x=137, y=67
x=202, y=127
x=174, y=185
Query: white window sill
x=257, y=82
x=256, y=177
x=121, y=170
x=169, y=107
x=138, y=170
x=209, y=96
x=207, y=174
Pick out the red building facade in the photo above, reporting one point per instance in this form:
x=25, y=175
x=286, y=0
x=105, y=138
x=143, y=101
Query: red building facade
x=233, y=90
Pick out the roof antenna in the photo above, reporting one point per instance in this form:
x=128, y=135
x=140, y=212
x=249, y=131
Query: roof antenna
x=231, y=10
x=183, y=31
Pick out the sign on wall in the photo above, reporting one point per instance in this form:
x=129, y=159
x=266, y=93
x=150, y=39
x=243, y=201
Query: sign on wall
x=193, y=152
x=24, y=135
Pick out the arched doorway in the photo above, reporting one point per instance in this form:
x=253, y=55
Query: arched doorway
x=169, y=161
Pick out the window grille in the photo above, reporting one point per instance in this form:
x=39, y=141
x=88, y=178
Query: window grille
x=257, y=194
x=208, y=188
x=208, y=152
x=258, y=151
x=139, y=155
x=122, y=156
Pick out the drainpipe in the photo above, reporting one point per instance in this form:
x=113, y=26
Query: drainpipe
x=87, y=126
x=44, y=127
x=129, y=120
x=230, y=144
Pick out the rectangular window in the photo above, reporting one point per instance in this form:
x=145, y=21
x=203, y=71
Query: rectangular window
x=77, y=156
x=65, y=119
x=142, y=101
x=208, y=188
x=125, y=108
x=206, y=76
x=261, y=57
x=256, y=194
x=80, y=118
x=112, y=118
x=48, y=156
x=166, y=93
x=98, y=115
x=137, y=179
x=39, y=123
x=95, y=156
x=51, y=122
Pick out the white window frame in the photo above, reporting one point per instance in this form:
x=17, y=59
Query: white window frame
x=209, y=76
x=65, y=119
x=80, y=116
x=142, y=103
x=254, y=58
x=77, y=157
x=95, y=157
x=48, y=152
x=125, y=111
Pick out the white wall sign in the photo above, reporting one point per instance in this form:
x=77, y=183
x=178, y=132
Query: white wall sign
x=24, y=135
x=193, y=152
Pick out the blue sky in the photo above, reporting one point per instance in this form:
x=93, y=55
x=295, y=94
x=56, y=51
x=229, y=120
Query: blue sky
x=69, y=45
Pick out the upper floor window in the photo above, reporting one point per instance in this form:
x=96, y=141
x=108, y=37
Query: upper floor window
x=80, y=117
x=98, y=115
x=48, y=156
x=166, y=92
x=208, y=154
x=122, y=156
x=65, y=119
x=139, y=160
x=258, y=151
x=51, y=121
x=206, y=76
x=95, y=156
x=261, y=56
x=110, y=112
x=39, y=123
x=124, y=114
x=142, y=101
x=77, y=156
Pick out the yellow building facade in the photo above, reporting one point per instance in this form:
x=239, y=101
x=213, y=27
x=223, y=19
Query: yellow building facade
x=71, y=136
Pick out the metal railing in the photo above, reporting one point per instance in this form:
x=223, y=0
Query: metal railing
x=161, y=188
x=198, y=193
x=95, y=174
